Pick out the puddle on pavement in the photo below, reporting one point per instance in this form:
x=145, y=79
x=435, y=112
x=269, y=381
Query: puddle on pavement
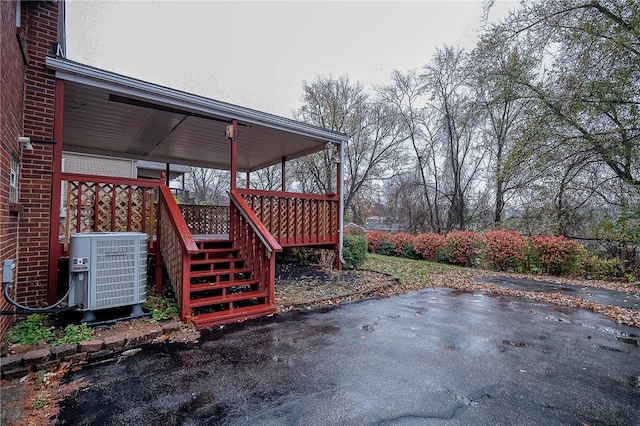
x=621, y=334
x=514, y=343
x=608, y=348
x=196, y=401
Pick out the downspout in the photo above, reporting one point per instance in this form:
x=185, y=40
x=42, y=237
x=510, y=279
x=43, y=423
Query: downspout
x=341, y=203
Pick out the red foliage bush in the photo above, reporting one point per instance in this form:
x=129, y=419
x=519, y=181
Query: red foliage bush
x=461, y=247
x=428, y=245
x=374, y=239
x=354, y=230
x=503, y=249
x=400, y=241
x=555, y=255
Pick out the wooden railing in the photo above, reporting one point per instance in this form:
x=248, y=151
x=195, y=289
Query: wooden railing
x=176, y=247
x=255, y=242
x=296, y=219
x=205, y=219
x=107, y=204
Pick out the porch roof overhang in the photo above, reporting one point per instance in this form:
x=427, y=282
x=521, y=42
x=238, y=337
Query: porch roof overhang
x=111, y=114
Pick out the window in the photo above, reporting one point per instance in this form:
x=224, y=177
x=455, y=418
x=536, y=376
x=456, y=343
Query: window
x=13, y=181
x=18, y=13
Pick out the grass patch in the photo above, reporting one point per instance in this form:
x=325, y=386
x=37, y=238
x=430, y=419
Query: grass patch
x=30, y=331
x=160, y=307
x=415, y=274
x=74, y=334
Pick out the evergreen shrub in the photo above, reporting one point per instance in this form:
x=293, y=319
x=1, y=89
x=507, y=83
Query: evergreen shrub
x=503, y=249
x=461, y=248
x=428, y=245
x=354, y=250
x=554, y=255
x=400, y=241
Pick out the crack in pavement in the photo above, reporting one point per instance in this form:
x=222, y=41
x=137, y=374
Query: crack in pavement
x=476, y=398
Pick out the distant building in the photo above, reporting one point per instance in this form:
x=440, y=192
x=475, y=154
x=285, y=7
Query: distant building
x=379, y=223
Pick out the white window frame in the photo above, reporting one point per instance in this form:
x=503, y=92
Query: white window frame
x=13, y=180
x=18, y=13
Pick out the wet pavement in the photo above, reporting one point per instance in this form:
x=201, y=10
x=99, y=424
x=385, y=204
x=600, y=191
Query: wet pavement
x=436, y=356
x=601, y=296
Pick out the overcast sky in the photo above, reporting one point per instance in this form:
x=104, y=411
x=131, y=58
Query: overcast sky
x=257, y=54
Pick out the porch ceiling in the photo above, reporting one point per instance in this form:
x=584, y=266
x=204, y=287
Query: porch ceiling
x=110, y=114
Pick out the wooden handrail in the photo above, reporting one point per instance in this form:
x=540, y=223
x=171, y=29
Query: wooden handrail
x=79, y=177
x=261, y=231
x=178, y=221
x=280, y=194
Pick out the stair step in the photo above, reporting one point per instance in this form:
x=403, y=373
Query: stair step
x=207, y=301
x=194, y=288
x=204, y=274
x=217, y=260
x=226, y=317
x=223, y=250
x=215, y=245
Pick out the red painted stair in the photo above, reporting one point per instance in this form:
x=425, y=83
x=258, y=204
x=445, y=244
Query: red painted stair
x=223, y=286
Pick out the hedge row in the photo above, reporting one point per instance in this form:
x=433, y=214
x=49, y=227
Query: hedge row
x=499, y=250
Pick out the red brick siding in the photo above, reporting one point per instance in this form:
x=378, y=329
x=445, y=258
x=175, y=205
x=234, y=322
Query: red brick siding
x=27, y=108
x=37, y=166
x=12, y=71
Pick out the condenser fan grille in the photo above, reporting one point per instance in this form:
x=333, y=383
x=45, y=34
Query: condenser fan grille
x=115, y=268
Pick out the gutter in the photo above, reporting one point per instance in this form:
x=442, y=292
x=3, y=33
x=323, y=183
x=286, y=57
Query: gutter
x=341, y=202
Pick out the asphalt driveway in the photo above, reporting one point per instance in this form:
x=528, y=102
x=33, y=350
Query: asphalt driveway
x=431, y=357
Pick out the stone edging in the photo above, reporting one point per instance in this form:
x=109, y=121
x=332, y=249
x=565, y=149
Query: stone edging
x=19, y=365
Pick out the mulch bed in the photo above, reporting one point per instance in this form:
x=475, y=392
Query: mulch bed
x=305, y=285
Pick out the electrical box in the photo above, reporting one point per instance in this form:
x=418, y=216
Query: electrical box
x=7, y=270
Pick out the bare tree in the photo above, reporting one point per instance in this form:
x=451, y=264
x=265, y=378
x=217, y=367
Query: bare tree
x=269, y=178
x=405, y=95
x=208, y=186
x=457, y=129
x=372, y=129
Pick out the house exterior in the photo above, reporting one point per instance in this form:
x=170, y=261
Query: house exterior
x=73, y=162
x=220, y=262
x=27, y=102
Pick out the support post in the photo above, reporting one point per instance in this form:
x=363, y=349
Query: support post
x=56, y=193
x=156, y=248
x=339, y=185
x=284, y=174
x=233, y=135
x=248, y=180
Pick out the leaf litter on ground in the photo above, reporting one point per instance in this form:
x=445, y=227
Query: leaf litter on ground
x=384, y=276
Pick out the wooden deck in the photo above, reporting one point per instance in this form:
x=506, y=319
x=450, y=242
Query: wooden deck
x=209, y=237
x=220, y=260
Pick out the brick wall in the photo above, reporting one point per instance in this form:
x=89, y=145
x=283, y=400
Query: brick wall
x=12, y=70
x=27, y=109
x=41, y=30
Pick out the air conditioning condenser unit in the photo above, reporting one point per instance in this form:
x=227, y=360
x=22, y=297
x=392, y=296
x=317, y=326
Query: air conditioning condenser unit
x=108, y=270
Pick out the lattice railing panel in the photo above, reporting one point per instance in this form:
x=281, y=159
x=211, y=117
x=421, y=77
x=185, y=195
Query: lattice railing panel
x=103, y=206
x=256, y=244
x=296, y=220
x=203, y=219
x=171, y=250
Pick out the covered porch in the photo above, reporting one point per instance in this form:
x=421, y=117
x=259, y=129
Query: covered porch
x=220, y=259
